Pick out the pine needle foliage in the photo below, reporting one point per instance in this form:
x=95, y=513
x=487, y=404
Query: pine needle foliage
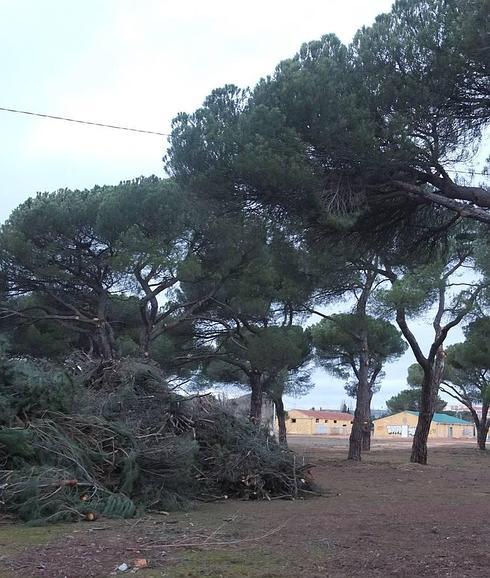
x=121, y=442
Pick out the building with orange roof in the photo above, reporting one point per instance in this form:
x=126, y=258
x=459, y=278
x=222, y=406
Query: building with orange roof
x=318, y=422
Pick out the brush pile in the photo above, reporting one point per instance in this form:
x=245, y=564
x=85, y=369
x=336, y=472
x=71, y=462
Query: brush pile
x=237, y=459
x=113, y=440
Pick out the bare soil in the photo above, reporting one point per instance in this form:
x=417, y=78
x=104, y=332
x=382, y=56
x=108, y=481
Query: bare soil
x=380, y=518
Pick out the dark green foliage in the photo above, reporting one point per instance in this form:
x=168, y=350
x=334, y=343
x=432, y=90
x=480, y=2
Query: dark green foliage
x=409, y=399
x=467, y=374
x=42, y=340
x=279, y=200
x=272, y=349
x=99, y=270
x=28, y=387
x=337, y=344
x=362, y=135
x=42, y=494
x=468, y=363
x=16, y=443
x=122, y=443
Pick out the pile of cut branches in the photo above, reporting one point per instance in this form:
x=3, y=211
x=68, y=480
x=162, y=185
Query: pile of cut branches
x=123, y=443
x=237, y=459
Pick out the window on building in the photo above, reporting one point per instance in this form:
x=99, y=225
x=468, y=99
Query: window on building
x=334, y=421
x=326, y=421
x=351, y=422
x=344, y=425
x=293, y=420
x=317, y=420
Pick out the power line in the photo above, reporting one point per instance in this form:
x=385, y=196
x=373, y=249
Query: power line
x=84, y=121
x=140, y=130
x=466, y=172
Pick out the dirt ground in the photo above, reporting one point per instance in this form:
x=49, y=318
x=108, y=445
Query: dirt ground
x=381, y=518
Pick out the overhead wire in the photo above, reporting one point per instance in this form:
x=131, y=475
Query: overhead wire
x=89, y=122
x=152, y=132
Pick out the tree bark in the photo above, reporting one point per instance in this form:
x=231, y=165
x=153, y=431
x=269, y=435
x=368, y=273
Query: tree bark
x=145, y=341
x=104, y=335
x=482, y=433
x=455, y=200
x=366, y=432
x=366, y=440
x=363, y=398
x=426, y=412
x=255, y=380
x=360, y=435
x=281, y=420
x=482, y=428
x=104, y=339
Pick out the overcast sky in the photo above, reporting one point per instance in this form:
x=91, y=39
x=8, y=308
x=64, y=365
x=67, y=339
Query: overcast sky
x=138, y=64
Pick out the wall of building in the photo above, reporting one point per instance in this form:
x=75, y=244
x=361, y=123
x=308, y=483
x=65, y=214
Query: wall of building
x=299, y=424
x=240, y=406
x=402, y=425
x=455, y=430
x=397, y=425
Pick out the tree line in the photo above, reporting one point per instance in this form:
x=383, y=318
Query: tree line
x=330, y=181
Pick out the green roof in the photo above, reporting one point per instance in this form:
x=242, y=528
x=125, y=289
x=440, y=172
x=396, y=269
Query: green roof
x=445, y=418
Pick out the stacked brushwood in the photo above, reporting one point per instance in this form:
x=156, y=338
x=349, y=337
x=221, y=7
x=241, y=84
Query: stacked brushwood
x=238, y=459
x=112, y=439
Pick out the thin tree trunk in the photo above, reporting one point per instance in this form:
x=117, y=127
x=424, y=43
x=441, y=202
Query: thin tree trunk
x=419, y=445
x=366, y=440
x=148, y=304
x=145, y=340
x=362, y=404
x=362, y=414
x=426, y=412
x=366, y=431
x=104, y=335
x=356, y=436
x=281, y=420
x=482, y=428
x=255, y=379
x=430, y=389
x=482, y=433
x=147, y=318
x=104, y=341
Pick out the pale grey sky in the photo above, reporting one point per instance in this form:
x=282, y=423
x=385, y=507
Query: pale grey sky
x=136, y=64
x=139, y=64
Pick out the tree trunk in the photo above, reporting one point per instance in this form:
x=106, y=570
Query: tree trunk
x=104, y=335
x=481, y=436
x=367, y=431
x=104, y=339
x=360, y=437
x=426, y=412
x=145, y=341
x=281, y=420
x=430, y=388
x=366, y=441
x=482, y=428
x=363, y=398
x=255, y=379
x=356, y=436
x=366, y=435
x=419, y=445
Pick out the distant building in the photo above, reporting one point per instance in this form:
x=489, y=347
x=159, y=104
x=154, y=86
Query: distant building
x=403, y=424
x=240, y=406
x=460, y=408
x=319, y=422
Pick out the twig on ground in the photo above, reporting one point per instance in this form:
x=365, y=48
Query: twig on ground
x=217, y=543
